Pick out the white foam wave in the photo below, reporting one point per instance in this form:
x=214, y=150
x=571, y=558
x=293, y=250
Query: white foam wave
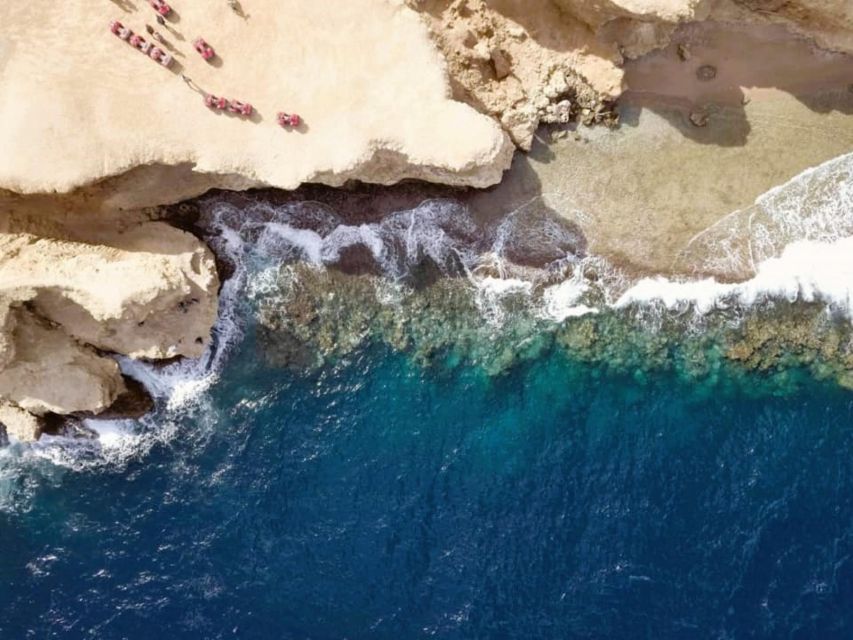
x=815, y=205
x=807, y=270
x=491, y=294
x=563, y=300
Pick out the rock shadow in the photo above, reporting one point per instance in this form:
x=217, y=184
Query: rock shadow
x=511, y=217
x=237, y=8
x=125, y=5
x=542, y=234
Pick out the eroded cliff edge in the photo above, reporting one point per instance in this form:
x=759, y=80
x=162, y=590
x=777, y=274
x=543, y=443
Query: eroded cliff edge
x=76, y=288
x=94, y=133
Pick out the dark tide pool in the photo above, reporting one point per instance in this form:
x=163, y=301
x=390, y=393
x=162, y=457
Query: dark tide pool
x=377, y=499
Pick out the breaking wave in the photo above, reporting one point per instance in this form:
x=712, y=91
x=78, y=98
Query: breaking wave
x=794, y=243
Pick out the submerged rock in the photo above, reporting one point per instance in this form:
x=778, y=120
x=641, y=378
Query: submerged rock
x=699, y=118
x=450, y=323
x=706, y=72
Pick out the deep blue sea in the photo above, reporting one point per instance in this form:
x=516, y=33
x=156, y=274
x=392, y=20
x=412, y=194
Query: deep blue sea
x=378, y=499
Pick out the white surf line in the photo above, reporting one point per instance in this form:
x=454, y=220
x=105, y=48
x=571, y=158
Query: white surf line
x=757, y=206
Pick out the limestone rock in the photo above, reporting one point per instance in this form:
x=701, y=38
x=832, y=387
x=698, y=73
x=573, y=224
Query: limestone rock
x=597, y=13
x=560, y=113
x=379, y=109
x=69, y=286
x=148, y=292
x=699, y=118
x=588, y=42
x=551, y=56
x=52, y=372
x=828, y=22
x=19, y=424
x=501, y=63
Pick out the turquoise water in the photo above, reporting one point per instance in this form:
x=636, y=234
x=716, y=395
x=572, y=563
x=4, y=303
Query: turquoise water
x=379, y=499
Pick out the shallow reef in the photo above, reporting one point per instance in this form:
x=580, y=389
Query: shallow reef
x=312, y=316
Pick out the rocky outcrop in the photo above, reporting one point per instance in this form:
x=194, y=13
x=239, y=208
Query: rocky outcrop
x=19, y=424
x=530, y=61
x=146, y=292
x=138, y=288
x=596, y=14
x=51, y=372
x=522, y=62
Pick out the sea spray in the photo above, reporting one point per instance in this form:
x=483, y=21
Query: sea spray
x=433, y=282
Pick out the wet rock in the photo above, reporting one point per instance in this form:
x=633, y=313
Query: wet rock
x=706, y=72
x=537, y=239
x=133, y=402
x=699, y=118
x=356, y=259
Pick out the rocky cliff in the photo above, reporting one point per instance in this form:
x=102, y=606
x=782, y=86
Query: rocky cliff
x=74, y=290
x=93, y=132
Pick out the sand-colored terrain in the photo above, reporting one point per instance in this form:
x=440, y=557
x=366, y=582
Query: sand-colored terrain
x=373, y=79
x=79, y=104
x=641, y=193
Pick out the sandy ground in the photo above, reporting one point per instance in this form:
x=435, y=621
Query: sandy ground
x=749, y=61
x=642, y=192
x=78, y=104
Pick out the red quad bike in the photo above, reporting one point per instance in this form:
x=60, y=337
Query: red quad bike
x=288, y=120
x=158, y=55
x=217, y=104
x=232, y=106
x=240, y=108
x=120, y=30
x=204, y=49
x=161, y=7
x=138, y=42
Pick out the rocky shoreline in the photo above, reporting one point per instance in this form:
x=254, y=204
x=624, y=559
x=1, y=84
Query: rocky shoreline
x=90, y=271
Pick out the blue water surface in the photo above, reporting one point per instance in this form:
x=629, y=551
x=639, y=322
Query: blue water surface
x=379, y=499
